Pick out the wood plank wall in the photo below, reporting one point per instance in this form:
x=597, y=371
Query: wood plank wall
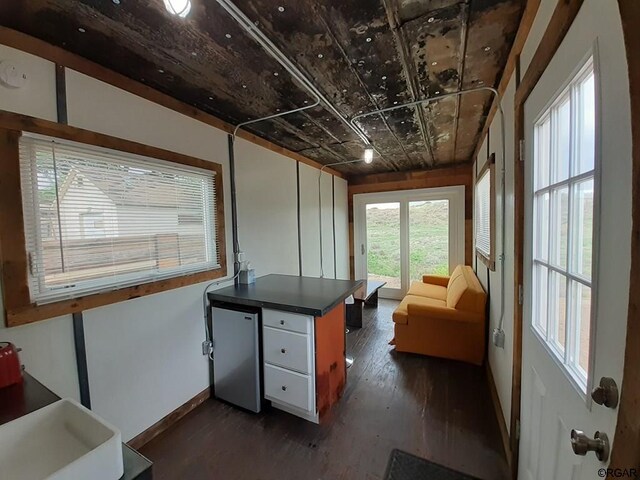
x=387, y=182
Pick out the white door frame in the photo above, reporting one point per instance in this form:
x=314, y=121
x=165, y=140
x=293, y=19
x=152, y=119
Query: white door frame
x=455, y=196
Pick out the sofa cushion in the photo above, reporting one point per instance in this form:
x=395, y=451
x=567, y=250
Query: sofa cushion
x=401, y=313
x=464, y=291
x=456, y=288
x=428, y=290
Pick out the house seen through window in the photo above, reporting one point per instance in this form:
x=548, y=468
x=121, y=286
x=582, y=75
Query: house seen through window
x=98, y=219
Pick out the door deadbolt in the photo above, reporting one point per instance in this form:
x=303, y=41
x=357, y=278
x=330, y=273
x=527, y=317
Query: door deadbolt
x=606, y=393
x=581, y=444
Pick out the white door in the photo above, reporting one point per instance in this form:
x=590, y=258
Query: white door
x=402, y=235
x=577, y=245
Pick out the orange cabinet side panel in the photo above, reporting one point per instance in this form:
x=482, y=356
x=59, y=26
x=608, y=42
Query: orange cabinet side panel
x=331, y=370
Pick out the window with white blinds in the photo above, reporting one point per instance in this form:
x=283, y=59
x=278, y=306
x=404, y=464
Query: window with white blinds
x=483, y=214
x=98, y=219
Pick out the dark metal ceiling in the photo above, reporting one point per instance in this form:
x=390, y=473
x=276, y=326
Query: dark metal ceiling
x=362, y=54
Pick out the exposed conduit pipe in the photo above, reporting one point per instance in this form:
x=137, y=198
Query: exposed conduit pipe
x=498, y=332
x=288, y=65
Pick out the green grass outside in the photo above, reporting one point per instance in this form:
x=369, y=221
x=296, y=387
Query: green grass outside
x=428, y=240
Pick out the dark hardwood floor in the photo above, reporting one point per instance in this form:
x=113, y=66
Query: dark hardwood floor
x=438, y=409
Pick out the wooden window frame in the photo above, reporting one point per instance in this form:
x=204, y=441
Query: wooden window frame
x=19, y=309
x=489, y=261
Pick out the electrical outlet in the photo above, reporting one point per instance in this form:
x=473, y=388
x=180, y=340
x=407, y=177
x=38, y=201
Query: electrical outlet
x=207, y=347
x=498, y=338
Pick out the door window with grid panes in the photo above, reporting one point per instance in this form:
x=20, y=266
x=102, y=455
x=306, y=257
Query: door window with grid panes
x=563, y=226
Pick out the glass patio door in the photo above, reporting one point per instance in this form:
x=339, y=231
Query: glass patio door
x=401, y=236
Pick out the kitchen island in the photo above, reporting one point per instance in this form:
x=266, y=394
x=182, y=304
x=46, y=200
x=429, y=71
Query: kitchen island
x=302, y=338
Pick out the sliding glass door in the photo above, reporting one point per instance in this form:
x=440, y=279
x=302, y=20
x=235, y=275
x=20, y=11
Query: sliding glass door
x=383, y=243
x=401, y=236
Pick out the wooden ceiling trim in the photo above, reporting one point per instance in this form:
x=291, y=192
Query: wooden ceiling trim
x=34, y=46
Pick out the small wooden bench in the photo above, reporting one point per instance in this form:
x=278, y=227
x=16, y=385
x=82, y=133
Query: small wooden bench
x=365, y=295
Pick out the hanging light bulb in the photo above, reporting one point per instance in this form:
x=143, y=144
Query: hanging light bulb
x=180, y=8
x=368, y=155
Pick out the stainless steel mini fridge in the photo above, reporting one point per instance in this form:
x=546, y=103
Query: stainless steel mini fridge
x=236, y=357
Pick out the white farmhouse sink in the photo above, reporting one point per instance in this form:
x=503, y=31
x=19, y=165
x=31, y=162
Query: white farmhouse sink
x=62, y=441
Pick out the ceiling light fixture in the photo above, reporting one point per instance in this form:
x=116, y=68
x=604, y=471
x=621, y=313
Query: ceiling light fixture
x=181, y=8
x=81, y=30
x=368, y=155
x=281, y=9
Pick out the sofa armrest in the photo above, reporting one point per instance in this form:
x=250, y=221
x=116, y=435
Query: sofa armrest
x=442, y=313
x=441, y=280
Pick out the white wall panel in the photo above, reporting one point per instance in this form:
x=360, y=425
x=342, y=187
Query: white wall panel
x=327, y=225
x=145, y=358
x=309, y=223
x=267, y=209
x=47, y=347
x=342, y=228
x=38, y=97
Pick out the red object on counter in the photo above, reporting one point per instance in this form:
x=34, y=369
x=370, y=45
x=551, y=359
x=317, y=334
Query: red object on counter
x=10, y=369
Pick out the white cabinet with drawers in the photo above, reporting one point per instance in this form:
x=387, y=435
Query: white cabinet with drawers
x=289, y=362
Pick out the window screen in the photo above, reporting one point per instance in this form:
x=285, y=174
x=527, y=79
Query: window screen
x=483, y=214
x=98, y=219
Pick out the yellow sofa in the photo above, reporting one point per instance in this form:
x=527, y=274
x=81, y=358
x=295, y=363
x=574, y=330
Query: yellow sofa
x=443, y=317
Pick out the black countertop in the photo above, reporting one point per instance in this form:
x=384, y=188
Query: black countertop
x=31, y=395
x=307, y=295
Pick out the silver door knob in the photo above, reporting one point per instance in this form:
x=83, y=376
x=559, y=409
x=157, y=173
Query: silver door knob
x=606, y=393
x=581, y=444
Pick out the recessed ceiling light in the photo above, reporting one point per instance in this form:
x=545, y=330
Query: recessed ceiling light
x=117, y=2
x=181, y=8
x=431, y=19
x=81, y=30
x=437, y=92
x=228, y=35
x=194, y=54
x=306, y=101
x=434, y=64
x=486, y=49
x=244, y=86
x=369, y=39
x=320, y=55
x=384, y=77
x=160, y=70
x=275, y=74
x=344, y=90
x=210, y=98
x=395, y=103
x=281, y=9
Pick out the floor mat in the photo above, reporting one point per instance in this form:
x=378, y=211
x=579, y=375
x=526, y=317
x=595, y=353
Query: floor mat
x=404, y=466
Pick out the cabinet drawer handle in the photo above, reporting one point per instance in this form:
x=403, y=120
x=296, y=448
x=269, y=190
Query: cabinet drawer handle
x=283, y=350
x=284, y=388
x=281, y=322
